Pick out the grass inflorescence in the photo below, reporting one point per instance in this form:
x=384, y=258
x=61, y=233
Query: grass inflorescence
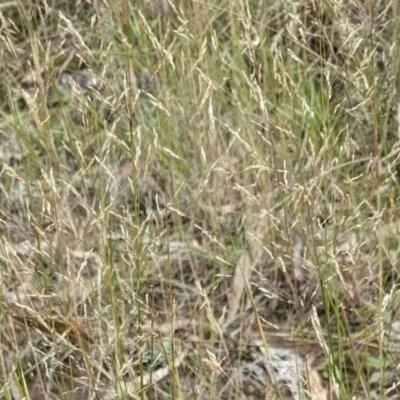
x=199, y=200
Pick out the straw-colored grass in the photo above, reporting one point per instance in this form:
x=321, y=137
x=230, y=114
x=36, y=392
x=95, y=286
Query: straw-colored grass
x=199, y=200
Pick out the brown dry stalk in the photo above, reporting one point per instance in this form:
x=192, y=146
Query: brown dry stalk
x=75, y=333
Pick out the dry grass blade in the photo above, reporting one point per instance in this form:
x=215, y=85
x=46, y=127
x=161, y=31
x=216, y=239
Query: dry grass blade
x=177, y=179
x=9, y=4
x=71, y=330
x=270, y=392
x=316, y=389
x=240, y=284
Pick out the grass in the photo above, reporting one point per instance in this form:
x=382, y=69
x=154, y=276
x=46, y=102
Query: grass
x=199, y=200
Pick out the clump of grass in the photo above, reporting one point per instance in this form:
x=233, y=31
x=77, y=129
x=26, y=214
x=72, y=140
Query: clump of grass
x=189, y=189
